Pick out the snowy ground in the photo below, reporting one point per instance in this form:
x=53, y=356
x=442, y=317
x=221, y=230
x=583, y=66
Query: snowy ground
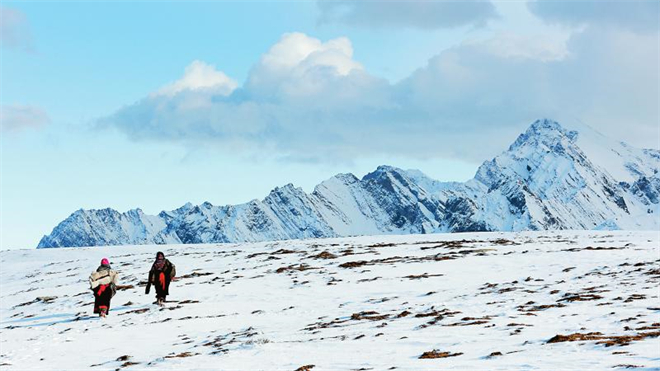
x=491, y=300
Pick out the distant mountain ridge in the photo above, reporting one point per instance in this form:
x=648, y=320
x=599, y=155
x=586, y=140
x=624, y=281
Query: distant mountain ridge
x=549, y=178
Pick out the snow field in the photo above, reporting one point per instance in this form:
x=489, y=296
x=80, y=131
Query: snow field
x=347, y=303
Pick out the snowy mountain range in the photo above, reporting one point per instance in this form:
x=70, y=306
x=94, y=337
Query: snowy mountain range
x=550, y=178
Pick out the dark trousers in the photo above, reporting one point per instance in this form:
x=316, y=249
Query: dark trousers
x=162, y=285
x=102, y=296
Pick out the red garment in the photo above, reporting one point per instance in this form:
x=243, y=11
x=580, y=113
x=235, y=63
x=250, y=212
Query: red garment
x=102, y=296
x=101, y=289
x=161, y=280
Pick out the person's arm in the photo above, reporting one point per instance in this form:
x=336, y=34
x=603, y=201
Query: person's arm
x=146, y=291
x=172, y=271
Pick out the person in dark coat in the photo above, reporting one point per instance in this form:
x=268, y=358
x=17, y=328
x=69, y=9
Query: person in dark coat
x=103, y=283
x=161, y=274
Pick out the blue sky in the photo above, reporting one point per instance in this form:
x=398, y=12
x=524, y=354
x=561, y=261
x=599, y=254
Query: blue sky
x=154, y=104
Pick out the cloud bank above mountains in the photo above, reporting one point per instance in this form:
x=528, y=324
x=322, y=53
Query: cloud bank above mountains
x=309, y=100
x=637, y=15
x=407, y=14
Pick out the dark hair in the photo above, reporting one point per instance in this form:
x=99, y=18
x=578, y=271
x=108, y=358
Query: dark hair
x=159, y=254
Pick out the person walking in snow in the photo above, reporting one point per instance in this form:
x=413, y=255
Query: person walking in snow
x=103, y=283
x=161, y=274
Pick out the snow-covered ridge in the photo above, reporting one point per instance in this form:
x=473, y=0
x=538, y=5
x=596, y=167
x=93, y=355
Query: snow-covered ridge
x=549, y=178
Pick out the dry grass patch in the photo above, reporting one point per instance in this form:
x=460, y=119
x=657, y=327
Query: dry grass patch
x=438, y=354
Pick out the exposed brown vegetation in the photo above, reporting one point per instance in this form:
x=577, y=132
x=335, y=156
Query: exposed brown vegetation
x=136, y=311
x=189, y=302
x=284, y=251
x=369, y=315
x=627, y=339
x=294, y=267
x=607, y=340
x=325, y=255
x=423, y=275
x=40, y=299
x=634, y=297
x=195, y=274
x=537, y=308
x=437, y=354
x=448, y=244
x=353, y=264
x=403, y=314
x=580, y=297
x=575, y=337
x=181, y=355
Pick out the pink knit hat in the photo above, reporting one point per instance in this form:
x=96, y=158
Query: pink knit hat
x=105, y=261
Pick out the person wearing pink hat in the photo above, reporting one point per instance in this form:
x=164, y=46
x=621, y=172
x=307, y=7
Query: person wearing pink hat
x=103, y=283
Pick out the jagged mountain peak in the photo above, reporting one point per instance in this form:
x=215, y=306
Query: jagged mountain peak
x=382, y=171
x=135, y=212
x=168, y=215
x=287, y=188
x=386, y=173
x=549, y=178
x=387, y=169
x=545, y=132
x=285, y=193
x=339, y=180
x=348, y=178
x=546, y=147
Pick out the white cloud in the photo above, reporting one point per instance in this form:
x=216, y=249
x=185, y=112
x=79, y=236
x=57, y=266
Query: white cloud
x=309, y=100
x=200, y=76
x=297, y=49
x=16, y=117
x=298, y=65
x=14, y=29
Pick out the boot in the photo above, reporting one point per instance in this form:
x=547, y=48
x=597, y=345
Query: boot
x=102, y=313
